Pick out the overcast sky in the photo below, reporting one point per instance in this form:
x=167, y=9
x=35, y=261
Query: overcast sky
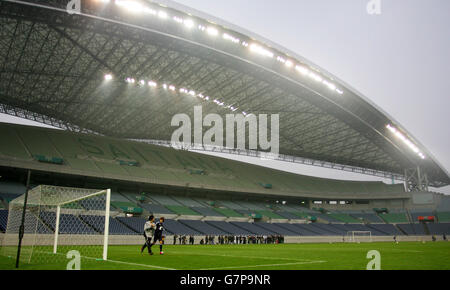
x=399, y=59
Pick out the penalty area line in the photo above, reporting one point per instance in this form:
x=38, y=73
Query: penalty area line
x=264, y=265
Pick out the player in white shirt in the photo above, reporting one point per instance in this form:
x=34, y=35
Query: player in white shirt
x=149, y=232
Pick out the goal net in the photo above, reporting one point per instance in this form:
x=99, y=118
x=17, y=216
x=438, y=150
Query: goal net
x=359, y=236
x=58, y=220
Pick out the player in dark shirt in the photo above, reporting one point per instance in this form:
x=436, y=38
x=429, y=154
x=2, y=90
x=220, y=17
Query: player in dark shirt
x=159, y=235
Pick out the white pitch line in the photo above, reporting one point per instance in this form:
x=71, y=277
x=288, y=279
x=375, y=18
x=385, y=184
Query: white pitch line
x=141, y=265
x=265, y=265
x=117, y=262
x=235, y=256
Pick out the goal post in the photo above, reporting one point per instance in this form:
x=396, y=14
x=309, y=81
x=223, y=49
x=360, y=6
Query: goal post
x=58, y=220
x=359, y=236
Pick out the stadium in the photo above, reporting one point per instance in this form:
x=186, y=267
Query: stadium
x=108, y=79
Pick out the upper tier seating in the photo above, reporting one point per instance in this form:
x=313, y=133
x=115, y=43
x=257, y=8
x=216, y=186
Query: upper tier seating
x=164, y=200
x=187, y=202
x=328, y=217
x=394, y=218
x=155, y=208
x=228, y=212
x=181, y=210
x=415, y=214
x=367, y=217
x=344, y=218
x=443, y=216
x=288, y=215
x=206, y=211
x=119, y=159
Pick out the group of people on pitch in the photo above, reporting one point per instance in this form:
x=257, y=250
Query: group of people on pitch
x=153, y=233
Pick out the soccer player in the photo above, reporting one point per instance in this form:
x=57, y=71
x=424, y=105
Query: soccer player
x=149, y=232
x=159, y=235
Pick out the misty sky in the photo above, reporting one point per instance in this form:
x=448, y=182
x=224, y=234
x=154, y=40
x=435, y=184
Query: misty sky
x=399, y=59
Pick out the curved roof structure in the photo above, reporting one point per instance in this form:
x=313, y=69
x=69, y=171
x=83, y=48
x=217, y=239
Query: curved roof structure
x=53, y=67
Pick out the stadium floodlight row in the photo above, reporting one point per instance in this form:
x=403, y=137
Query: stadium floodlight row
x=74, y=71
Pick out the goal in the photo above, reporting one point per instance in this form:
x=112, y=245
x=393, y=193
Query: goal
x=359, y=236
x=58, y=220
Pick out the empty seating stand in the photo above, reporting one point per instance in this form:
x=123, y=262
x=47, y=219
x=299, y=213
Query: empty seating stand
x=134, y=223
x=443, y=216
x=163, y=199
x=287, y=215
x=439, y=229
x=367, y=217
x=68, y=224
x=276, y=229
x=178, y=228
x=228, y=212
x=115, y=227
x=394, y=218
x=229, y=228
x=415, y=214
x=344, y=218
x=155, y=208
x=412, y=229
x=181, y=210
x=3, y=220
x=203, y=227
x=386, y=229
x=206, y=211
x=253, y=228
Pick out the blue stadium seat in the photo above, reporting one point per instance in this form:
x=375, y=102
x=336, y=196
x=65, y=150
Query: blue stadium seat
x=229, y=228
x=3, y=220
x=202, y=227
x=68, y=224
x=115, y=227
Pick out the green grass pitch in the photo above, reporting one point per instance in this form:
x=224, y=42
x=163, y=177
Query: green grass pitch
x=349, y=256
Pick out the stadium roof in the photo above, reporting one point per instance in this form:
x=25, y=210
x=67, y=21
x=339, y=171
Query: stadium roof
x=83, y=72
